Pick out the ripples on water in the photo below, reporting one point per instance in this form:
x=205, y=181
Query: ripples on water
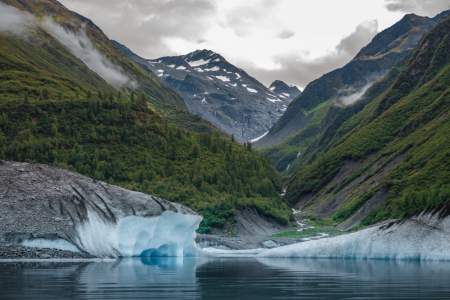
x=225, y=279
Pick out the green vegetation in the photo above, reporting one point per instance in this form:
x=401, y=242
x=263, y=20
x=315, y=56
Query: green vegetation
x=348, y=208
x=128, y=144
x=285, y=153
x=403, y=132
x=55, y=110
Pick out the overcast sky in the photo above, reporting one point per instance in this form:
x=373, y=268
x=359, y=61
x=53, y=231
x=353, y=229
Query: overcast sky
x=293, y=40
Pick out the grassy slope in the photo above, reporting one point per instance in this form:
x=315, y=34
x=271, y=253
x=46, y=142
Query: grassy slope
x=54, y=110
x=310, y=114
x=412, y=119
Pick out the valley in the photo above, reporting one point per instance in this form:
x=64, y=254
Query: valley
x=109, y=154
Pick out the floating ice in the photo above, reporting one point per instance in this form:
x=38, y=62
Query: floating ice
x=252, y=90
x=170, y=234
x=421, y=238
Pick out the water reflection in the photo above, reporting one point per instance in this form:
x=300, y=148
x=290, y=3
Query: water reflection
x=189, y=278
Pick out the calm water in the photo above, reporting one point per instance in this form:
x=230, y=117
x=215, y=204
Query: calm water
x=225, y=279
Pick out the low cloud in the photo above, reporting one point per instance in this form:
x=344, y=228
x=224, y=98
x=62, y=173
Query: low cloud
x=295, y=69
x=146, y=25
x=19, y=23
x=14, y=21
x=420, y=7
x=353, y=95
x=81, y=46
x=285, y=34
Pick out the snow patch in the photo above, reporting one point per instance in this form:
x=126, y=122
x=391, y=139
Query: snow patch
x=213, y=69
x=197, y=63
x=273, y=100
x=223, y=78
x=259, y=137
x=181, y=68
x=252, y=90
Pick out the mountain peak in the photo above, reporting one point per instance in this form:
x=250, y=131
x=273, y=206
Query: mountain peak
x=281, y=87
x=204, y=54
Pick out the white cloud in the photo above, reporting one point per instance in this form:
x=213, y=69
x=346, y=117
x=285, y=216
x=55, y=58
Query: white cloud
x=13, y=20
x=19, y=22
x=81, y=46
x=420, y=7
x=295, y=41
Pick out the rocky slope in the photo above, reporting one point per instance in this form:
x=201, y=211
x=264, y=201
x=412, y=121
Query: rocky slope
x=344, y=86
x=219, y=92
x=284, y=90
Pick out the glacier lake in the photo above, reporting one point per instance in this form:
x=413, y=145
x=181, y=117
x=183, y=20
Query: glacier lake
x=224, y=278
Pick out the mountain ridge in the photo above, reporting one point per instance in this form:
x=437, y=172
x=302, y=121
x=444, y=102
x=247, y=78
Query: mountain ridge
x=219, y=92
x=389, y=160
x=368, y=65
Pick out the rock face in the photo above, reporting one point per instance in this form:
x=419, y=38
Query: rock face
x=219, y=92
x=284, y=90
x=41, y=202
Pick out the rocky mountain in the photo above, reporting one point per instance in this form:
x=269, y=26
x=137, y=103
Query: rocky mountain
x=346, y=85
x=220, y=92
x=69, y=98
x=284, y=90
x=386, y=157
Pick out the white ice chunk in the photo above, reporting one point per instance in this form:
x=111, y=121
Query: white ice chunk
x=170, y=234
x=422, y=238
x=252, y=90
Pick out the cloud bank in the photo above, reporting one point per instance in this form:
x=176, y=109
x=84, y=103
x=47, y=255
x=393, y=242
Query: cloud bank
x=81, y=46
x=294, y=67
x=18, y=22
x=294, y=41
x=14, y=21
x=419, y=7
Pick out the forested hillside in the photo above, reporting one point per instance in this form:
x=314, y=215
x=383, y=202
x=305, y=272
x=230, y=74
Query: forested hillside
x=63, y=107
x=388, y=157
